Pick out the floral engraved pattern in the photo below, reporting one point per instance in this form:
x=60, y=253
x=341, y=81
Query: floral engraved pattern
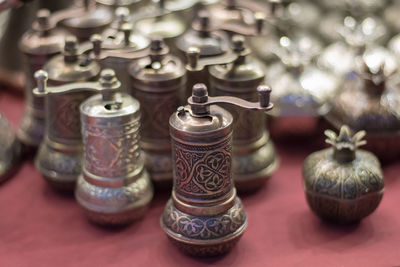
x=112, y=151
x=343, y=192
x=204, y=227
x=203, y=173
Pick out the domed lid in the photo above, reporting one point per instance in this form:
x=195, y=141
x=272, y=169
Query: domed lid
x=192, y=122
x=94, y=17
x=43, y=38
x=122, y=105
x=244, y=69
x=158, y=69
x=71, y=67
x=210, y=43
x=218, y=119
x=121, y=36
x=167, y=26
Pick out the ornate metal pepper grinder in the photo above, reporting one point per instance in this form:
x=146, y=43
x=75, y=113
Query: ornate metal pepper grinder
x=38, y=45
x=161, y=19
x=205, y=36
x=114, y=187
x=208, y=41
x=119, y=37
x=204, y=217
x=158, y=82
x=343, y=184
x=60, y=154
x=254, y=157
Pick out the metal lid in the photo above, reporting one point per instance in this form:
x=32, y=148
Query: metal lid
x=94, y=21
x=210, y=43
x=71, y=67
x=213, y=126
x=232, y=13
x=120, y=35
x=157, y=70
x=42, y=39
x=244, y=72
x=118, y=111
x=166, y=26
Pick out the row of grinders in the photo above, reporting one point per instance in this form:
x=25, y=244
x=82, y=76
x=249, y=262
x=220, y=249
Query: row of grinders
x=111, y=147
x=114, y=187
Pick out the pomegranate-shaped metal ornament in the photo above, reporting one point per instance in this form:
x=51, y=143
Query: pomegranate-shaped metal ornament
x=371, y=102
x=204, y=217
x=343, y=184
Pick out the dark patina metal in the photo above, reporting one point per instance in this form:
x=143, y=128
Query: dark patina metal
x=254, y=157
x=370, y=102
x=121, y=37
x=114, y=187
x=94, y=20
x=204, y=217
x=10, y=150
x=38, y=45
x=60, y=154
x=343, y=184
x=158, y=82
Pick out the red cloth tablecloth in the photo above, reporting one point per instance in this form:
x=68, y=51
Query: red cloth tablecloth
x=39, y=227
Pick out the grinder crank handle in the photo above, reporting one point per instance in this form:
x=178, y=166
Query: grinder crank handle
x=200, y=101
x=107, y=85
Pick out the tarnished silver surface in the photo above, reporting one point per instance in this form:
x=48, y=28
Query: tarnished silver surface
x=38, y=45
x=60, y=154
x=300, y=87
x=254, y=158
x=359, y=38
x=114, y=188
x=158, y=82
x=161, y=20
x=204, y=217
x=370, y=102
x=94, y=20
x=120, y=36
x=343, y=184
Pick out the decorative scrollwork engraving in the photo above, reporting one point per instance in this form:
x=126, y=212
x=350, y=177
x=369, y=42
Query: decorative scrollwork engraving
x=200, y=171
x=204, y=227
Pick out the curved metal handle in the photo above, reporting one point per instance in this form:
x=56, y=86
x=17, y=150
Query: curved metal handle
x=106, y=85
x=195, y=63
x=200, y=101
x=156, y=47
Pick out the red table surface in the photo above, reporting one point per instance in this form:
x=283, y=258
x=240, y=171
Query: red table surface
x=39, y=227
